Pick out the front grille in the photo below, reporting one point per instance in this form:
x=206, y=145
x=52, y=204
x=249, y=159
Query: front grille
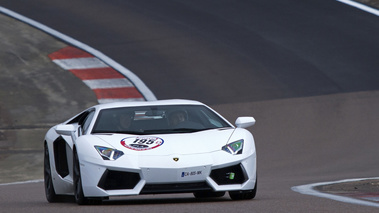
x=113, y=180
x=229, y=175
x=175, y=188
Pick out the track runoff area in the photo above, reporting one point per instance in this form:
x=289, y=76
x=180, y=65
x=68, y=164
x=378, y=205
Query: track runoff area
x=111, y=82
x=363, y=198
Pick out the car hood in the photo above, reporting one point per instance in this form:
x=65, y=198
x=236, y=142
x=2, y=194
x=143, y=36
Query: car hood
x=168, y=144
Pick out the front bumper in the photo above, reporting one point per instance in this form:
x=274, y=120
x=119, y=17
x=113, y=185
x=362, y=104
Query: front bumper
x=134, y=175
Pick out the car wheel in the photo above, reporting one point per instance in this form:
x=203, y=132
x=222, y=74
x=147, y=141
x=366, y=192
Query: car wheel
x=48, y=180
x=208, y=194
x=78, y=188
x=245, y=194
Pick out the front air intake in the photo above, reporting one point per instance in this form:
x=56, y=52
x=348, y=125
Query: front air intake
x=60, y=157
x=175, y=188
x=229, y=175
x=117, y=180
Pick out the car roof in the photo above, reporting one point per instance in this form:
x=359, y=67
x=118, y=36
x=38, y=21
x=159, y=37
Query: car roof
x=147, y=103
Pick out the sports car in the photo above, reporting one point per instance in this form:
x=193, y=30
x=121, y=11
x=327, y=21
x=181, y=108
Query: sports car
x=152, y=147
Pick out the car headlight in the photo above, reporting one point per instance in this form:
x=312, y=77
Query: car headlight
x=234, y=148
x=109, y=153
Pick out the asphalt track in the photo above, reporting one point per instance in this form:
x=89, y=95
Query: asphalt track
x=306, y=71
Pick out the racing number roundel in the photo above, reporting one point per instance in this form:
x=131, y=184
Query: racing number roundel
x=141, y=143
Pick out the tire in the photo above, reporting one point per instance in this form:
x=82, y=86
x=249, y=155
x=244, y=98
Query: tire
x=78, y=188
x=245, y=194
x=51, y=196
x=208, y=194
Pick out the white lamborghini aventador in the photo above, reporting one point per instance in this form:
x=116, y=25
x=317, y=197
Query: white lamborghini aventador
x=132, y=148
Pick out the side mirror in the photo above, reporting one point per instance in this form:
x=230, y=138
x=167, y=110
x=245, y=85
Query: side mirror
x=65, y=129
x=244, y=122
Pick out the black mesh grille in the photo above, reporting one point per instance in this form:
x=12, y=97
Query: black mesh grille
x=113, y=180
x=175, y=188
x=229, y=175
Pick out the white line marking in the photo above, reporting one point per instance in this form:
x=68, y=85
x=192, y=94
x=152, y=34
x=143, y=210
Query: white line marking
x=309, y=190
x=361, y=6
x=140, y=85
x=108, y=83
x=22, y=182
x=376, y=199
x=80, y=63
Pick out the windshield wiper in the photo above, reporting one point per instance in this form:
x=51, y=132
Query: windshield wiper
x=117, y=132
x=177, y=130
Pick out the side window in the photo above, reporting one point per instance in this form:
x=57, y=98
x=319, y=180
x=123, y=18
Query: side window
x=87, y=122
x=78, y=118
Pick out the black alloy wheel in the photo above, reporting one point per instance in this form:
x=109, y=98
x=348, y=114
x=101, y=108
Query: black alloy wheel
x=78, y=189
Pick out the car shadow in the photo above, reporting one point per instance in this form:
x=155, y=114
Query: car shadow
x=162, y=200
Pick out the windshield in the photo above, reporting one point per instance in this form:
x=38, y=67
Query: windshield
x=157, y=120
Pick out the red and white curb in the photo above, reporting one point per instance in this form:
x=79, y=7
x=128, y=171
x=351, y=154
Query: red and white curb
x=113, y=90
x=108, y=84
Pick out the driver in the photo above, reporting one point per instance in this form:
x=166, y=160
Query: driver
x=125, y=121
x=177, y=117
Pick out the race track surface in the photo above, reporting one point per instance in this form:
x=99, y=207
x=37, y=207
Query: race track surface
x=306, y=70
